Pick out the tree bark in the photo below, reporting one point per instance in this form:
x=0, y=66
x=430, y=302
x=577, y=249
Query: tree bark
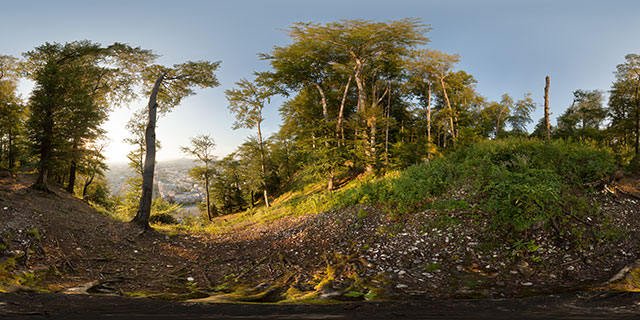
x=73, y=168
x=262, y=164
x=45, y=153
x=386, y=131
x=637, y=146
x=11, y=155
x=323, y=99
x=144, y=211
x=206, y=189
x=360, y=110
x=86, y=185
x=339, y=126
x=372, y=145
x=546, y=108
x=429, y=122
x=446, y=99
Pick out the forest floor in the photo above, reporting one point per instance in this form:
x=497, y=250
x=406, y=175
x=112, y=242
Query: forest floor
x=56, y=243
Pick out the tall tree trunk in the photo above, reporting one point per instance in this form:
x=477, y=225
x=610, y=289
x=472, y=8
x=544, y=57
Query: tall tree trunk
x=11, y=155
x=73, y=168
x=262, y=164
x=546, y=108
x=45, y=153
x=144, y=211
x=86, y=185
x=637, y=120
x=386, y=130
x=323, y=100
x=446, y=99
x=339, y=126
x=252, y=199
x=360, y=108
x=206, y=189
x=429, y=122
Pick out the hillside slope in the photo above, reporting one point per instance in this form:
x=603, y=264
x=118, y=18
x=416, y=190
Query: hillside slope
x=362, y=251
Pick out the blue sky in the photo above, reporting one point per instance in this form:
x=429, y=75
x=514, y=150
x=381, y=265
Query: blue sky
x=508, y=46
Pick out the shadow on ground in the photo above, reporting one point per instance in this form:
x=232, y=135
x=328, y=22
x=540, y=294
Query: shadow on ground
x=589, y=305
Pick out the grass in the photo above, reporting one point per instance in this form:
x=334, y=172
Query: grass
x=519, y=184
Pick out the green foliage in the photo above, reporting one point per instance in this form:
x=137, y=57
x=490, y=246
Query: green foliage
x=432, y=267
x=524, y=184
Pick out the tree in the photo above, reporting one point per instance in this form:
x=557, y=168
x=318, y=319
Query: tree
x=170, y=87
x=443, y=64
x=12, y=111
x=584, y=117
x=47, y=103
x=247, y=102
x=422, y=75
x=228, y=184
x=201, y=148
x=76, y=84
x=93, y=166
x=624, y=102
x=504, y=112
x=521, y=115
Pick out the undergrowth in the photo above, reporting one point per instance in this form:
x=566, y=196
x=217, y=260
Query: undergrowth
x=520, y=184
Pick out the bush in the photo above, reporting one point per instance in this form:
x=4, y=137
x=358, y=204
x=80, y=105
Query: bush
x=162, y=218
x=524, y=184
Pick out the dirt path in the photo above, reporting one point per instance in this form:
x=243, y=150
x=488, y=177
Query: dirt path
x=566, y=306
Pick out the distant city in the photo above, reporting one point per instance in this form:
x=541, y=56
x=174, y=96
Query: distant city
x=171, y=182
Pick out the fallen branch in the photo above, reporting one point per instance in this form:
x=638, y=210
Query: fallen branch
x=631, y=195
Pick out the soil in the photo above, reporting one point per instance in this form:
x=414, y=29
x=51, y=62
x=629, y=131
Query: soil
x=619, y=305
x=351, y=254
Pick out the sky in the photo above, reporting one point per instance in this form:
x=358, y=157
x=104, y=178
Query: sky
x=508, y=46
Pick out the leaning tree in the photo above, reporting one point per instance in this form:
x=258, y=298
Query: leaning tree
x=170, y=87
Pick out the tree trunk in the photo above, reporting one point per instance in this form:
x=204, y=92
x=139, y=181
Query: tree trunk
x=386, y=130
x=360, y=110
x=637, y=120
x=429, y=122
x=339, y=126
x=446, y=99
x=11, y=155
x=144, y=211
x=330, y=182
x=262, y=164
x=372, y=145
x=206, y=189
x=252, y=200
x=323, y=99
x=73, y=168
x=546, y=108
x=86, y=185
x=45, y=153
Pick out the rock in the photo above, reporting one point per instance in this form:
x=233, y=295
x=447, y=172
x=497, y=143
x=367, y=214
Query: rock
x=571, y=268
x=527, y=284
x=401, y=286
x=524, y=269
x=401, y=272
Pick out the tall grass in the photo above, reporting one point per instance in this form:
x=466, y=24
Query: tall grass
x=519, y=183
